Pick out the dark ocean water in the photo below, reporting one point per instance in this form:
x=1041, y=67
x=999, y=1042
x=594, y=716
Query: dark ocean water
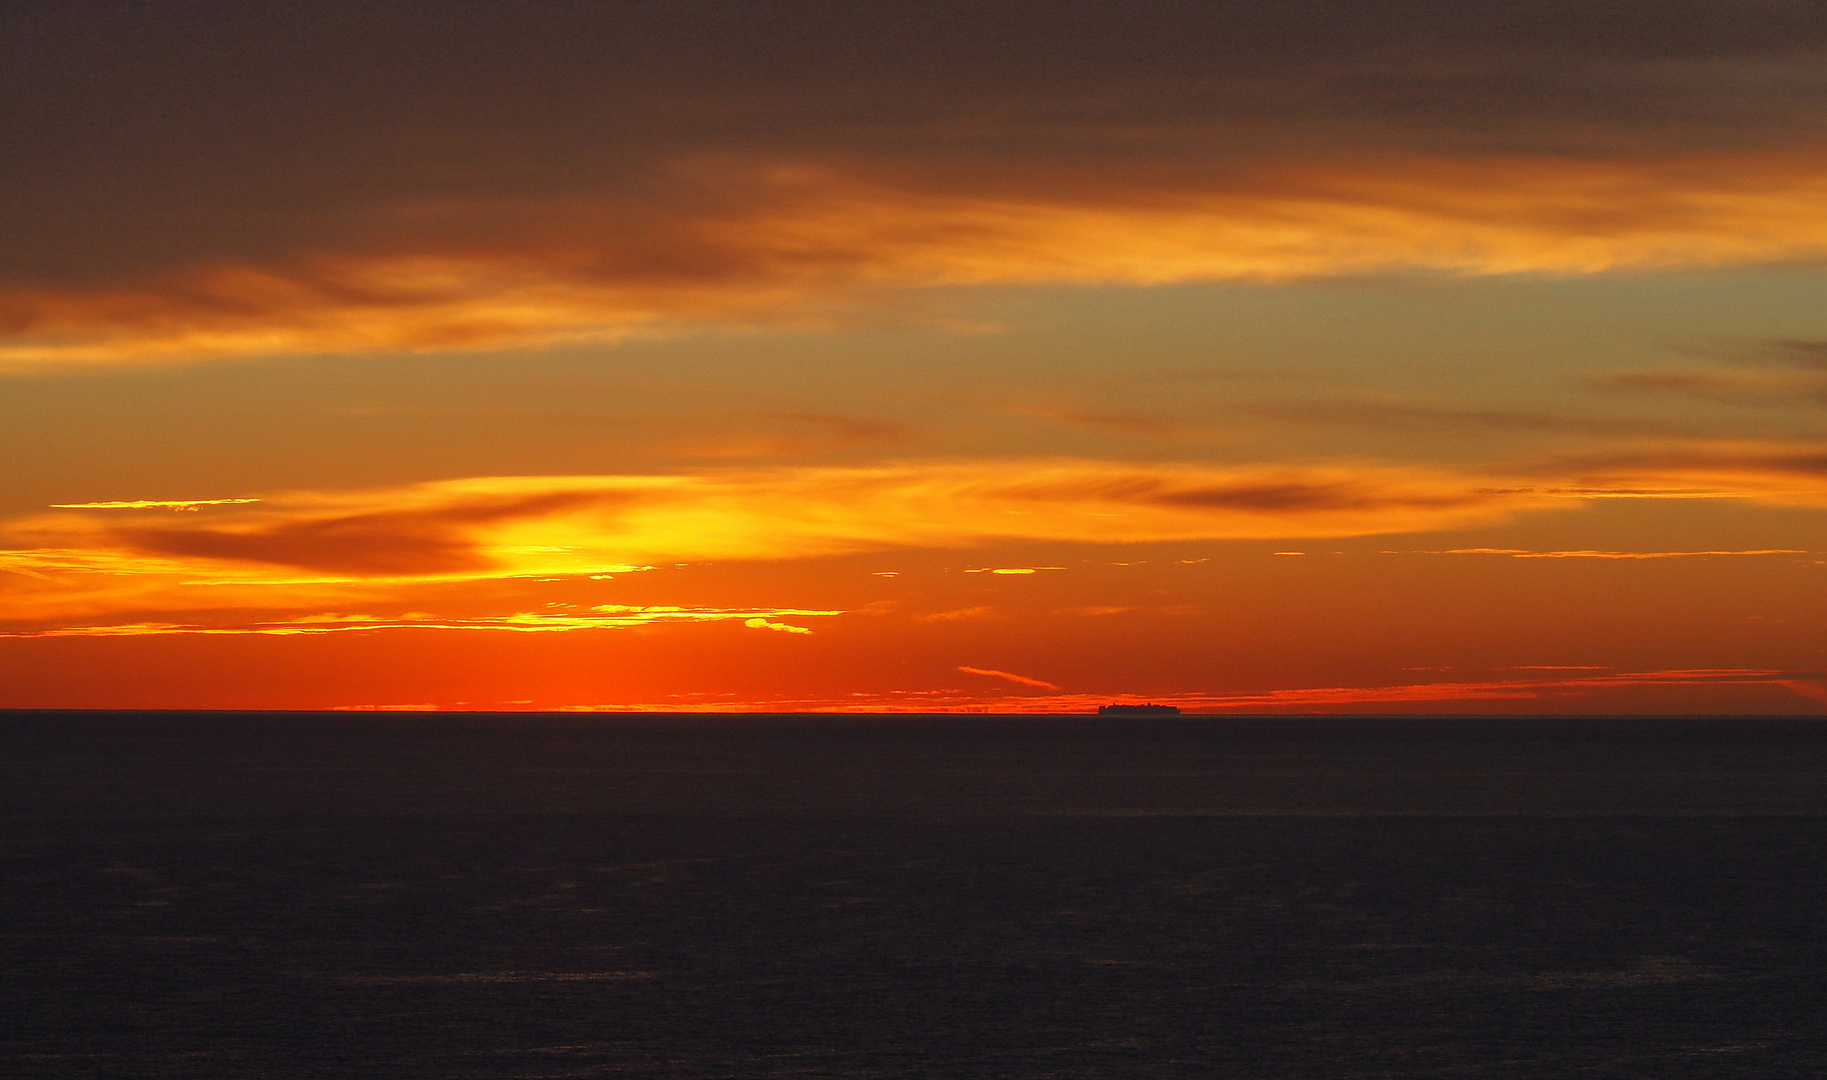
x=294, y=895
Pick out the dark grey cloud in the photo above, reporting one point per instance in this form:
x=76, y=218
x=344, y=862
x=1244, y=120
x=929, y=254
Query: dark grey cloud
x=144, y=136
x=1296, y=497
x=1390, y=416
x=1805, y=354
x=1808, y=462
x=1779, y=373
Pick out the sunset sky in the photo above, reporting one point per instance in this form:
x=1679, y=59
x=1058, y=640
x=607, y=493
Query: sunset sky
x=1348, y=357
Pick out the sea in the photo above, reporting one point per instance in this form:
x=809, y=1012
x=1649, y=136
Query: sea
x=225, y=895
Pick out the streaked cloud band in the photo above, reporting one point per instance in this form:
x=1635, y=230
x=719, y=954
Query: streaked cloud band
x=323, y=549
x=782, y=242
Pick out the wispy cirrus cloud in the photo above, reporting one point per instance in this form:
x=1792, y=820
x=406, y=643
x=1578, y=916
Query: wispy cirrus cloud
x=318, y=196
x=782, y=241
x=1803, y=683
x=153, y=504
x=1778, y=374
x=1799, y=352
x=323, y=549
x=1410, y=417
x=1625, y=555
x=1008, y=676
x=421, y=541
x=1564, y=693
x=598, y=617
x=977, y=611
x=1776, y=471
x=496, y=526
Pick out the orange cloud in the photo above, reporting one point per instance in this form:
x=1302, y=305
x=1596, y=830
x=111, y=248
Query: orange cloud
x=782, y=241
x=318, y=547
x=1810, y=685
x=981, y=611
x=1516, y=554
x=760, y=623
x=1809, y=688
x=604, y=616
x=1009, y=676
x=342, y=551
x=1501, y=689
x=421, y=541
x=149, y=504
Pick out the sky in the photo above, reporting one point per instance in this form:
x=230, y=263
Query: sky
x=1420, y=357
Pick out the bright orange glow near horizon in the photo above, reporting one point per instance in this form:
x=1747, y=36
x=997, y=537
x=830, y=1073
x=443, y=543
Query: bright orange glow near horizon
x=1292, y=361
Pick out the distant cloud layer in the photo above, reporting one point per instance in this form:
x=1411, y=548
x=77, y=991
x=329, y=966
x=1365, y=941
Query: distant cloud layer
x=1009, y=676
x=325, y=549
x=599, y=617
x=1801, y=687
x=1002, y=353
x=782, y=244
x=220, y=179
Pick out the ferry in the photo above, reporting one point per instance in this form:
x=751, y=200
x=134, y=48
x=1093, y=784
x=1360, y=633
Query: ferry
x=1149, y=709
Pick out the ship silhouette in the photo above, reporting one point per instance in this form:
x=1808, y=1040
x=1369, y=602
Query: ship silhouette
x=1149, y=709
